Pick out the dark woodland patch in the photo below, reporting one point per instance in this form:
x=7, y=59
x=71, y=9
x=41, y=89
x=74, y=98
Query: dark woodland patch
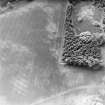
x=79, y=52
x=101, y=3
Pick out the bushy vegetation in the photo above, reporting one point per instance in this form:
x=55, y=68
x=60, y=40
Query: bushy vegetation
x=74, y=2
x=82, y=50
x=100, y=3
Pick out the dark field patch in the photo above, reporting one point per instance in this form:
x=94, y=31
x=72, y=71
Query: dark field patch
x=80, y=50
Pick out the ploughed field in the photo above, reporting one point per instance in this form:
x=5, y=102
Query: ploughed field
x=31, y=47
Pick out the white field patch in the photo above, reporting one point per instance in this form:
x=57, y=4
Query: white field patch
x=3, y=101
x=52, y=26
x=1, y=71
x=25, y=9
x=68, y=96
x=32, y=6
x=13, y=46
x=14, y=51
x=20, y=85
x=84, y=99
x=86, y=12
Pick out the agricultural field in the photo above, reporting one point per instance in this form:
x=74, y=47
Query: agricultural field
x=32, y=72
